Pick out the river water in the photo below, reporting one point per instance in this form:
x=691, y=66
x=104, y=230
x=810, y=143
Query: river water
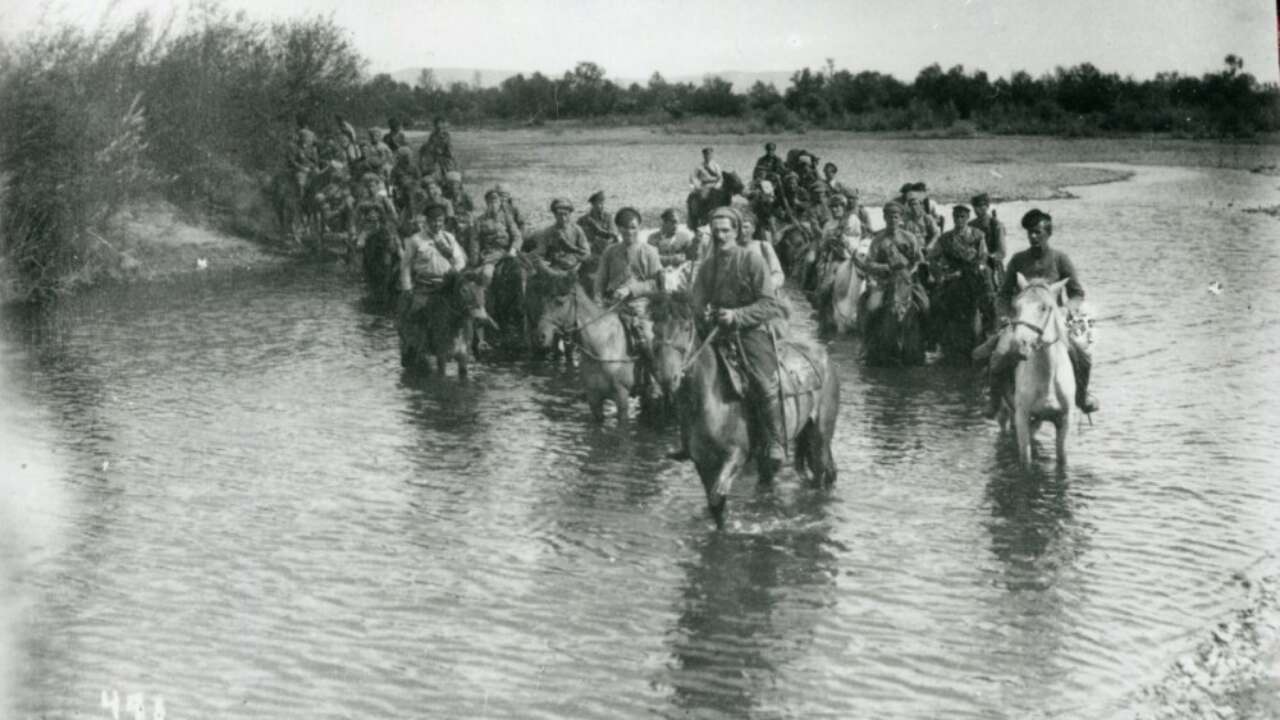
x=224, y=494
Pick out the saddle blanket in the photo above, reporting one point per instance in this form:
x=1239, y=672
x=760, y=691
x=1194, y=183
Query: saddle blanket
x=803, y=367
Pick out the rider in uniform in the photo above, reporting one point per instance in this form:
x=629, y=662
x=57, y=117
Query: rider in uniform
x=1040, y=261
x=675, y=244
x=564, y=244
x=893, y=248
x=427, y=257
x=628, y=274
x=597, y=225
x=961, y=248
x=733, y=291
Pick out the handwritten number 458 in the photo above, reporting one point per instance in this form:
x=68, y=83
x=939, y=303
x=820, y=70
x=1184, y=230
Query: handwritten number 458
x=134, y=703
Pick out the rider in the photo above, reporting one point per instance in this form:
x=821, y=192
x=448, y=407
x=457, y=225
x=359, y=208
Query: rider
x=597, y=225
x=457, y=195
x=707, y=176
x=509, y=206
x=893, y=248
x=960, y=248
x=395, y=138
x=495, y=234
x=917, y=220
x=763, y=198
x=747, y=238
x=436, y=154
x=733, y=291
x=303, y=158
x=628, y=274
x=675, y=244
x=771, y=163
x=427, y=257
x=377, y=156
x=1038, y=261
x=993, y=229
x=564, y=244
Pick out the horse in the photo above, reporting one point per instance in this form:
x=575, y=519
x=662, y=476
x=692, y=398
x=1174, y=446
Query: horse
x=678, y=278
x=714, y=414
x=792, y=247
x=958, y=302
x=699, y=209
x=840, y=284
x=512, y=301
x=381, y=263
x=1044, y=385
x=894, y=330
x=440, y=323
x=608, y=370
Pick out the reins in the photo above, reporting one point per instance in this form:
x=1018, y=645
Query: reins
x=577, y=329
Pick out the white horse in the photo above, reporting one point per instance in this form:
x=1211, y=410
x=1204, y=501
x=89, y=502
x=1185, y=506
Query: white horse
x=1044, y=386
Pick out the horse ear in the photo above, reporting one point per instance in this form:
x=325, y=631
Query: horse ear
x=1059, y=290
x=1022, y=282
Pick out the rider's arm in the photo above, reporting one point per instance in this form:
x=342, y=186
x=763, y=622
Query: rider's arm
x=1075, y=291
x=602, y=275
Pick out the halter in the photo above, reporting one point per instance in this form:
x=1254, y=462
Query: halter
x=1042, y=328
x=684, y=349
x=573, y=333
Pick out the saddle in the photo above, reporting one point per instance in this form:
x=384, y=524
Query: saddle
x=800, y=365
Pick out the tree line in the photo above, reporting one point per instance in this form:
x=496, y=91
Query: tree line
x=1075, y=100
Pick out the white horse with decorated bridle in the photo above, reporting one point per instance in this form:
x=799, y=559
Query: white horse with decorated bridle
x=1044, y=386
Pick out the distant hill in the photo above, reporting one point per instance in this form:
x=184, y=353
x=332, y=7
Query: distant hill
x=741, y=80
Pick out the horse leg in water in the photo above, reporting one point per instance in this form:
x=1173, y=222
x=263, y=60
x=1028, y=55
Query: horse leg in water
x=717, y=479
x=622, y=399
x=1061, y=425
x=1022, y=428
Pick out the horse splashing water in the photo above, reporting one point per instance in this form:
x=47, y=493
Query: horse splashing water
x=713, y=408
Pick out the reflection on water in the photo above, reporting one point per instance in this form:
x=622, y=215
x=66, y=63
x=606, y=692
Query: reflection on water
x=229, y=493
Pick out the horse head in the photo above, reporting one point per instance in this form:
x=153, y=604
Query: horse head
x=557, y=306
x=470, y=296
x=1039, y=315
x=732, y=183
x=674, y=336
x=902, y=290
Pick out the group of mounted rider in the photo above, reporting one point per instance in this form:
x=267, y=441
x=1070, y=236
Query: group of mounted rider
x=715, y=286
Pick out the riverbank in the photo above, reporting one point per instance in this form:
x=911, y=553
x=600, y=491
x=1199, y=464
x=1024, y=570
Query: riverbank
x=155, y=242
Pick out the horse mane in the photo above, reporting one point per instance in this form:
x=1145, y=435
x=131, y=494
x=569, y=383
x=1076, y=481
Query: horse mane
x=671, y=306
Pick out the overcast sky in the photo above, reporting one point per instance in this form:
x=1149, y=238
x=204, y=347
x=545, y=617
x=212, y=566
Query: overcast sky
x=632, y=38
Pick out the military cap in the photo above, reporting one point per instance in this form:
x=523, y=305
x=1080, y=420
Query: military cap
x=961, y=210
x=895, y=206
x=434, y=209
x=728, y=213
x=670, y=214
x=597, y=196
x=561, y=204
x=980, y=199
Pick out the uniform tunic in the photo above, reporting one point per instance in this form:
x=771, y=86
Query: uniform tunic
x=960, y=248
x=633, y=265
x=494, y=235
x=599, y=230
x=736, y=278
x=993, y=229
x=430, y=258
x=565, y=248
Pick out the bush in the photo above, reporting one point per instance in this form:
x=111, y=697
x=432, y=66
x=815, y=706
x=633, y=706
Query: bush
x=73, y=149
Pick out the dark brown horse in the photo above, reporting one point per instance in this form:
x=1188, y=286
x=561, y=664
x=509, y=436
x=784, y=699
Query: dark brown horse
x=700, y=208
x=895, y=324
x=714, y=416
x=439, y=323
x=381, y=264
x=960, y=304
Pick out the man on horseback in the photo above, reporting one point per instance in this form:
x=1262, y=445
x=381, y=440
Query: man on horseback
x=771, y=164
x=707, y=176
x=961, y=251
x=597, y=225
x=917, y=220
x=304, y=158
x=992, y=229
x=733, y=293
x=892, y=249
x=629, y=272
x=427, y=257
x=435, y=157
x=1038, y=261
x=675, y=244
x=564, y=244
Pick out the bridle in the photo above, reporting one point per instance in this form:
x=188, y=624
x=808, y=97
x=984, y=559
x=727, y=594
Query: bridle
x=683, y=349
x=573, y=332
x=1042, y=328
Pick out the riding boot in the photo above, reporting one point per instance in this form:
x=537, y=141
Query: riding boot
x=775, y=433
x=1082, y=364
x=682, y=453
x=481, y=346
